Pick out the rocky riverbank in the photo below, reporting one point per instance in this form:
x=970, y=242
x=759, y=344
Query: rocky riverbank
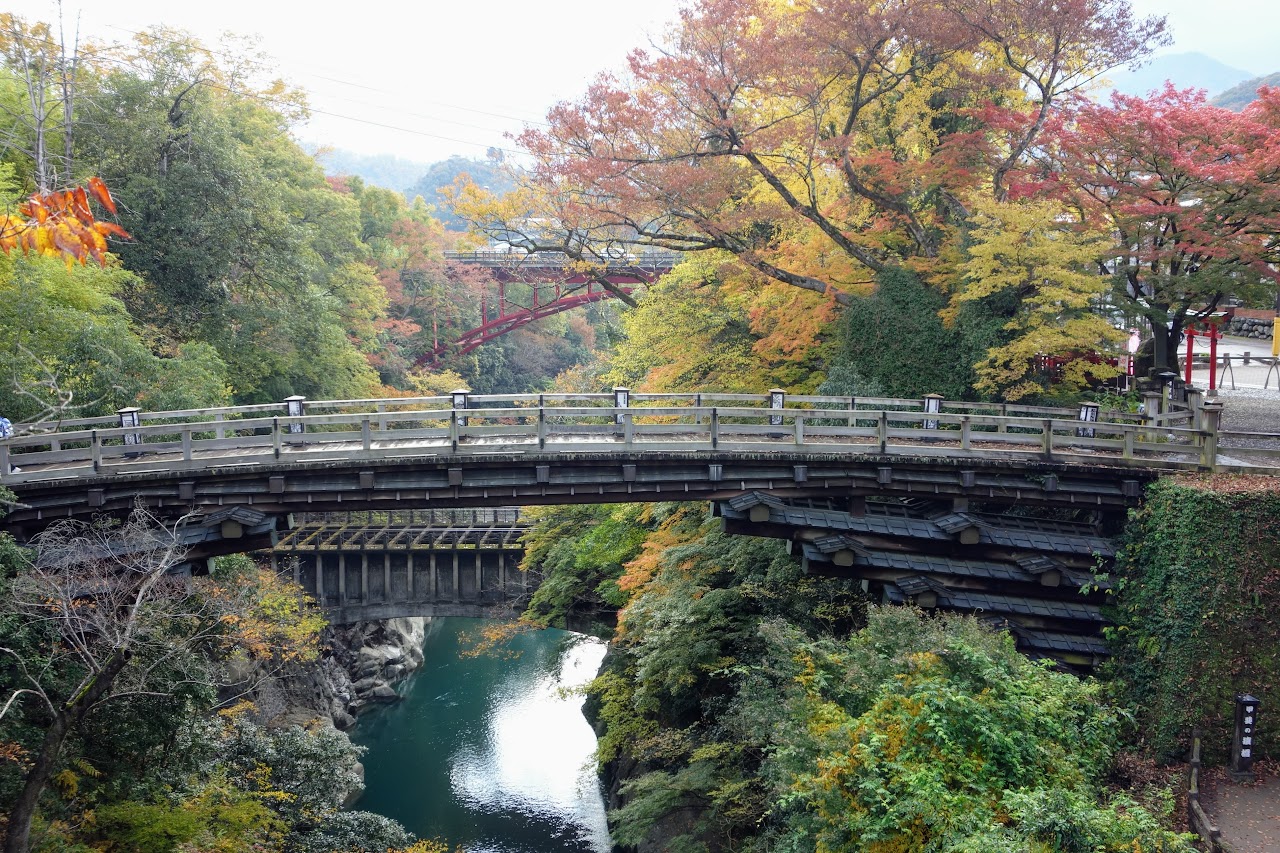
x=373, y=656
x=357, y=670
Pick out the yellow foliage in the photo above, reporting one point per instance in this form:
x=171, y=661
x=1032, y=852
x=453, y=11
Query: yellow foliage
x=1033, y=249
x=424, y=383
x=266, y=617
x=240, y=709
x=67, y=783
x=493, y=635
x=433, y=846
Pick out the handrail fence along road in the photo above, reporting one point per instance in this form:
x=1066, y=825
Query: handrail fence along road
x=464, y=424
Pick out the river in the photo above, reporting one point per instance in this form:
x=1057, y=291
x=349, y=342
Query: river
x=490, y=753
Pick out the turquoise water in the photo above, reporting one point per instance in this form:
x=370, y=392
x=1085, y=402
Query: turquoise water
x=490, y=753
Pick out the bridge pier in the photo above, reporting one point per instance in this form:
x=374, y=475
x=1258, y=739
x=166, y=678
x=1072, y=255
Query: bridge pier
x=457, y=565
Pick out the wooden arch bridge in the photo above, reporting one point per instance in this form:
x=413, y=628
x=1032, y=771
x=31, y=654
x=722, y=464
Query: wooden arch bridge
x=466, y=450
x=908, y=496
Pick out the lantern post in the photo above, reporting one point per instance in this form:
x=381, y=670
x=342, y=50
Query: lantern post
x=1244, y=743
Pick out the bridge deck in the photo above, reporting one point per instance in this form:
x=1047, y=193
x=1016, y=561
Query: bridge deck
x=471, y=450
x=206, y=439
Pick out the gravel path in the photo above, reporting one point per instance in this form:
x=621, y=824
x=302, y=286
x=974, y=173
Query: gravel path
x=1251, y=410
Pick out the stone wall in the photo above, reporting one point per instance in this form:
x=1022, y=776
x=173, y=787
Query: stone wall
x=1250, y=327
x=1250, y=323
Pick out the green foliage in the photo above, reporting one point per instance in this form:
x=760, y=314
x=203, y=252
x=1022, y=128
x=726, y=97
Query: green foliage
x=309, y=772
x=1195, y=609
x=301, y=776
x=919, y=733
x=218, y=816
x=489, y=174
x=895, y=343
x=68, y=337
x=381, y=170
x=352, y=832
x=239, y=242
x=580, y=551
x=673, y=698
x=742, y=720
x=1242, y=94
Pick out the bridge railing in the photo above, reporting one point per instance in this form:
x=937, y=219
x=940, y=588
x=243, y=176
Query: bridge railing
x=575, y=423
x=1263, y=446
x=231, y=418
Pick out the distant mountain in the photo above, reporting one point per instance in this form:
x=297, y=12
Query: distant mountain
x=488, y=174
x=381, y=170
x=1237, y=97
x=1185, y=70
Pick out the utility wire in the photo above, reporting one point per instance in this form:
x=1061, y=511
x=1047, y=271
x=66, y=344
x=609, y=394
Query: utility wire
x=278, y=104
x=353, y=84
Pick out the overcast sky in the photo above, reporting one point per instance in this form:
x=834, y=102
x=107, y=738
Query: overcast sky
x=432, y=78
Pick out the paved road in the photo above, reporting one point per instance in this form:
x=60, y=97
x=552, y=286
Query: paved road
x=1247, y=815
x=1258, y=373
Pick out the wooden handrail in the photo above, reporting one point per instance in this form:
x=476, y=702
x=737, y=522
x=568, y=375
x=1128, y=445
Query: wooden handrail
x=193, y=439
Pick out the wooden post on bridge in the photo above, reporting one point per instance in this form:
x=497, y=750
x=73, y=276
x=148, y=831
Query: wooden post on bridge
x=931, y=405
x=621, y=400
x=293, y=408
x=1210, y=421
x=1195, y=399
x=130, y=417
x=460, y=403
x=777, y=400
x=1089, y=415
x=1151, y=411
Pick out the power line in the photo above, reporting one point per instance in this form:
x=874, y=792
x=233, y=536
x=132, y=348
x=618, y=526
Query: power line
x=363, y=86
x=383, y=125
x=278, y=105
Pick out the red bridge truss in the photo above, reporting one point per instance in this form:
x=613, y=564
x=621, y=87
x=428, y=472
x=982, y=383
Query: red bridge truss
x=556, y=285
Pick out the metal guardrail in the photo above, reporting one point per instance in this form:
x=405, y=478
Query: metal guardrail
x=464, y=425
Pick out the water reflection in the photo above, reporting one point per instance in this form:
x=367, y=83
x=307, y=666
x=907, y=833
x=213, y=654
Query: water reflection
x=493, y=754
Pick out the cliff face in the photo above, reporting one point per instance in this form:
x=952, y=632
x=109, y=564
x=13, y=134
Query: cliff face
x=373, y=656
x=358, y=666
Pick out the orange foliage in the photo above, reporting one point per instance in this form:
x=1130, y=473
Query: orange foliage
x=10, y=751
x=62, y=223
x=640, y=571
x=791, y=323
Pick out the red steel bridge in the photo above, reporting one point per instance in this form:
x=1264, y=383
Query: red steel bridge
x=556, y=282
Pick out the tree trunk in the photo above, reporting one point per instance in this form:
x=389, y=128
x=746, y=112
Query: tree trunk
x=1159, y=346
x=19, y=838
x=67, y=717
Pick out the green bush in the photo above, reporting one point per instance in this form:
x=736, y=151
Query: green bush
x=1196, y=616
x=923, y=733
x=893, y=343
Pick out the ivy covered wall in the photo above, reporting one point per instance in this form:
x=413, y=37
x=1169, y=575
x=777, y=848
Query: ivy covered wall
x=1197, y=610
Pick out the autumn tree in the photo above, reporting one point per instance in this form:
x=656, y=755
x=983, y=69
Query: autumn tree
x=1028, y=251
x=813, y=142
x=427, y=297
x=735, y=334
x=115, y=622
x=1189, y=192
